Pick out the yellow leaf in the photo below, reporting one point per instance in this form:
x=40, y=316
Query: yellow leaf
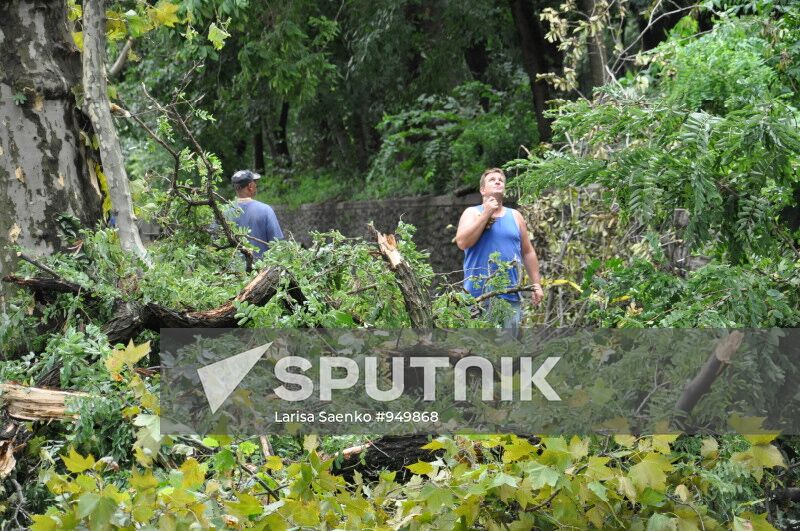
x=126, y=357
x=578, y=448
x=77, y=37
x=517, y=450
x=273, y=462
x=420, y=468
x=626, y=488
x=75, y=463
x=434, y=445
x=682, y=491
x=101, y=178
x=750, y=428
x=143, y=481
x=310, y=442
x=661, y=443
x=756, y=522
x=709, y=448
x=165, y=14
x=193, y=473
x=562, y=282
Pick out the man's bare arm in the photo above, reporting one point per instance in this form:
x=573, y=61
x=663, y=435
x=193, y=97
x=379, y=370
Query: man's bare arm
x=530, y=259
x=470, y=227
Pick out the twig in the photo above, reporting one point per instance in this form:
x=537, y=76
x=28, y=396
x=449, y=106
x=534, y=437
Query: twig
x=506, y=291
x=41, y=266
x=266, y=449
x=546, y=502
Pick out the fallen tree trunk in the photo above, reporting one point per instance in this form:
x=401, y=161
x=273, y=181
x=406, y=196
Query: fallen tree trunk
x=37, y=403
x=131, y=317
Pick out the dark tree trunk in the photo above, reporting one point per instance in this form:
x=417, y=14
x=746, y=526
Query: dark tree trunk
x=532, y=43
x=477, y=60
x=282, y=143
x=596, y=51
x=258, y=148
x=653, y=35
x=43, y=165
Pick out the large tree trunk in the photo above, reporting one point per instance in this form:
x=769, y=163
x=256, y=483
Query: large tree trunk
x=95, y=96
x=43, y=168
x=532, y=43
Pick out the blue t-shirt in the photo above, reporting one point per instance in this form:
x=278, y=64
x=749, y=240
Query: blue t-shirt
x=502, y=237
x=262, y=222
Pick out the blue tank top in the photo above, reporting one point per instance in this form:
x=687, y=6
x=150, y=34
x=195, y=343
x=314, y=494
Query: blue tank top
x=503, y=237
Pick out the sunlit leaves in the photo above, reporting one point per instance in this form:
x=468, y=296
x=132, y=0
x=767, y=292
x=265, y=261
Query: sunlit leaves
x=217, y=36
x=76, y=463
x=165, y=13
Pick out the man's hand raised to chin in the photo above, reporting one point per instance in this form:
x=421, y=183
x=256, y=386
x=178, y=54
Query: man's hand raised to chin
x=491, y=204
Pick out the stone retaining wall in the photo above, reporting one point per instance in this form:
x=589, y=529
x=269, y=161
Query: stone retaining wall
x=435, y=218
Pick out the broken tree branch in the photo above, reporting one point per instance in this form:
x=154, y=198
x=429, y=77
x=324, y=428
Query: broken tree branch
x=716, y=363
x=416, y=297
x=36, y=403
x=122, y=59
x=98, y=107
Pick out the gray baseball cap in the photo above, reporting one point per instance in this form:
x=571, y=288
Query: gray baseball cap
x=244, y=176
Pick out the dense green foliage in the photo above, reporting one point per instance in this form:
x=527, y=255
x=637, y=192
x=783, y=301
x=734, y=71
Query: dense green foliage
x=708, y=125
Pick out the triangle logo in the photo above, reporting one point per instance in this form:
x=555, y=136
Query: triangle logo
x=221, y=378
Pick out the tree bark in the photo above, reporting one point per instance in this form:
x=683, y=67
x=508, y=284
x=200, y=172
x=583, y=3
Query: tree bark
x=258, y=148
x=715, y=364
x=43, y=168
x=532, y=43
x=95, y=86
x=282, y=134
x=596, y=51
x=416, y=297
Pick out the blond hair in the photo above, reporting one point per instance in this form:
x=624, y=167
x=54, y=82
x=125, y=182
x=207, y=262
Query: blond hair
x=489, y=171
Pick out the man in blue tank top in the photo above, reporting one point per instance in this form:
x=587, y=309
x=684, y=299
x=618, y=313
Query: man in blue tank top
x=493, y=228
x=257, y=216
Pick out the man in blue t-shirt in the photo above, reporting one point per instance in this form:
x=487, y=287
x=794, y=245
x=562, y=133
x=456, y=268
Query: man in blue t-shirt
x=255, y=215
x=492, y=228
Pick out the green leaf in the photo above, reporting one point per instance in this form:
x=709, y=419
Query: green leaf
x=650, y=472
x=662, y=522
x=217, y=36
x=246, y=506
x=87, y=503
x=224, y=460
x=599, y=489
x=542, y=475
x=504, y=479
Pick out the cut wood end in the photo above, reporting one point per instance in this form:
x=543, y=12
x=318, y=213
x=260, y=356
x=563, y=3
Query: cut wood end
x=7, y=461
x=728, y=345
